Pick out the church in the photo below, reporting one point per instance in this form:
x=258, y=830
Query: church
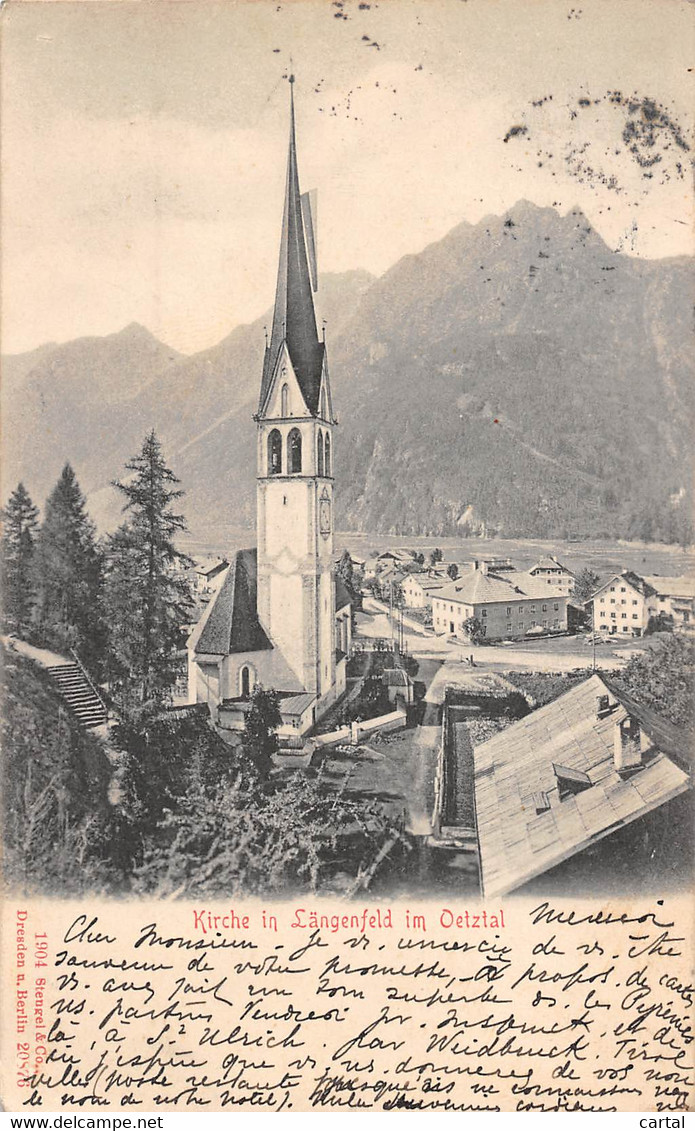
x=281, y=617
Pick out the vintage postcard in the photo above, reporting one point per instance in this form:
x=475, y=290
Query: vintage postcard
x=348, y=566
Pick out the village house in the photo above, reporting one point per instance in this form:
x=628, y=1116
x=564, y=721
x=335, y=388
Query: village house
x=281, y=618
x=623, y=605
x=398, y=686
x=207, y=574
x=584, y=767
x=507, y=608
x=419, y=588
x=674, y=596
x=557, y=576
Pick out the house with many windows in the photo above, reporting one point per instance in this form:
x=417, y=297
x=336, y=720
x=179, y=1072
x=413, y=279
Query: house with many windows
x=623, y=605
x=508, y=607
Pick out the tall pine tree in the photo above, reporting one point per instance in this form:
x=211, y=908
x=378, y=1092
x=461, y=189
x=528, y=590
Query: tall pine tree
x=148, y=594
x=20, y=521
x=67, y=575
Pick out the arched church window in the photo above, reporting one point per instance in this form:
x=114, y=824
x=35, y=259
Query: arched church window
x=284, y=400
x=274, y=453
x=246, y=682
x=294, y=451
x=327, y=454
x=319, y=462
x=324, y=405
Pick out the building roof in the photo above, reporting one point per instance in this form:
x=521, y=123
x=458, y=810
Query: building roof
x=672, y=586
x=294, y=319
x=478, y=588
x=231, y=622
x=425, y=581
x=394, y=677
x=566, y=749
x=296, y=705
x=209, y=567
x=549, y=562
x=342, y=596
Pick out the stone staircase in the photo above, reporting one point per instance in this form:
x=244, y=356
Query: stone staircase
x=71, y=682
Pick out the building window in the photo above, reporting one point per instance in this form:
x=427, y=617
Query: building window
x=521, y=624
x=614, y=616
x=294, y=451
x=623, y=616
x=556, y=607
x=625, y=628
x=484, y=629
x=612, y=600
x=484, y=613
x=324, y=407
x=509, y=628
x=634, y=602
x=623, y=589
x=612, y=589
x=284, y=400
x=623, y=601
x=509, y=612
x=544, y=608
x=327, y=445
x=602, y=600
x=634, y=616
x=319, y=452
x=274, y=453
x=246, y=682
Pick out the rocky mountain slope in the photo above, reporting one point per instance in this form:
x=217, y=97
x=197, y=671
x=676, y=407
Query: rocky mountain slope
x=517, y=374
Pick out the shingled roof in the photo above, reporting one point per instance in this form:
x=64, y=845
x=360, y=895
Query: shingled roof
x=231, y=622
x=524, y=827
x=294, y=319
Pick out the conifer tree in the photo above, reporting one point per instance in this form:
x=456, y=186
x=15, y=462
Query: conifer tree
x=20, y=521
x=67, y=575
x=148, y=595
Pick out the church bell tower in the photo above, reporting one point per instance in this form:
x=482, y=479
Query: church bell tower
x=296, y=588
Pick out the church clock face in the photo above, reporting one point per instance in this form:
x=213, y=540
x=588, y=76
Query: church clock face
x=325, y=515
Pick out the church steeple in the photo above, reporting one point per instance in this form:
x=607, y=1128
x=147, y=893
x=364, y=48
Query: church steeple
x=294, y=319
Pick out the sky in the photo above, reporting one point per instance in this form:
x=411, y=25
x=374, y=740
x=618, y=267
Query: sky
x=144, y=143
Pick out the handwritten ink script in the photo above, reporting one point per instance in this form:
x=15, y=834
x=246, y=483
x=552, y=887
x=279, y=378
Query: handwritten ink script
x=536, y=1006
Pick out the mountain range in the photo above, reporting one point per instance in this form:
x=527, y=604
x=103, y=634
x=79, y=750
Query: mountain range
x=517, y=376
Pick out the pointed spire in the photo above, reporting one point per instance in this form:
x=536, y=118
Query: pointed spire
x=294, y=320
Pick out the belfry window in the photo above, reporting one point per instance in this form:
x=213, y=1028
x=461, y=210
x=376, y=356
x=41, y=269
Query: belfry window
x=294, y=451
x=324, y=406
x=327, y=454
x=319, y=461
x=284, y=400
x=274, y=453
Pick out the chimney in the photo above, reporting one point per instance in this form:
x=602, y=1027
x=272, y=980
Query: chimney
x=627, y=746
x=605, y=705
x=483, y=568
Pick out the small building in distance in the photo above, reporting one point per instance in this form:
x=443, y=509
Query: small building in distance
x=207, y=573
x=418, y=589
x=623, y=605
x=398, y=686
x=508, y=607
x=674, y=596
x=585, y=767
x=557, y=577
